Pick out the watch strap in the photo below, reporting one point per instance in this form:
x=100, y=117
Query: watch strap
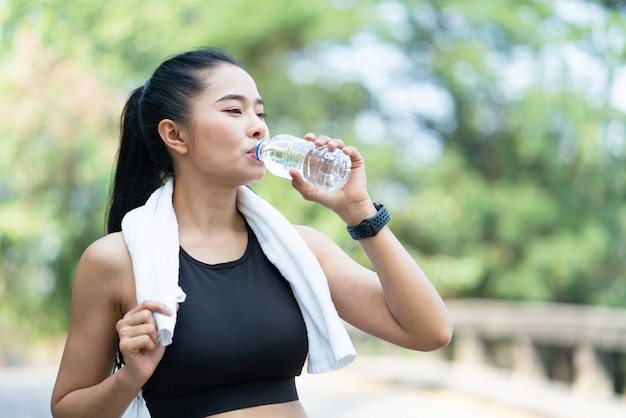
x=370, y=226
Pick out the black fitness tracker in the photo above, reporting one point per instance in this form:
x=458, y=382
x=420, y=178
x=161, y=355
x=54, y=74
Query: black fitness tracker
x=370, y=226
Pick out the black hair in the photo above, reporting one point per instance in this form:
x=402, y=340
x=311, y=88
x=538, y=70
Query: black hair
x=143, y=162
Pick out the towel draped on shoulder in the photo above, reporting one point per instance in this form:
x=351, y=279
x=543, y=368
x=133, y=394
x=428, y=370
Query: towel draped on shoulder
x=151, y=235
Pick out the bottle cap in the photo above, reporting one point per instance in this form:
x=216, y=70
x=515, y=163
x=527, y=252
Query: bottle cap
x=257, y=151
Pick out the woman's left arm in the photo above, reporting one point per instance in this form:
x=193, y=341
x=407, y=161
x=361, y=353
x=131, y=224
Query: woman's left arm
x=396, y=301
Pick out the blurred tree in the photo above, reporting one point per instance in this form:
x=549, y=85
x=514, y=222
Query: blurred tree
x=495, y=134
x=511, y=142
x=532, y=85
x=57, y=148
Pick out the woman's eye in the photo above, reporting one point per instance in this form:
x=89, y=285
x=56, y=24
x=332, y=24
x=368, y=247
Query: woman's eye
x=261, y=115
x=235, y=111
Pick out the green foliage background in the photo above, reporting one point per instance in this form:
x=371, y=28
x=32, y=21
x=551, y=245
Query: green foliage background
x=495, y=134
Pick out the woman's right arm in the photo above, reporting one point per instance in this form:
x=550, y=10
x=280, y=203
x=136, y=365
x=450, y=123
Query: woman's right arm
x=104, y=315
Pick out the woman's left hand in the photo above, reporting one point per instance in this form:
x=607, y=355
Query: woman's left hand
x=349, y=202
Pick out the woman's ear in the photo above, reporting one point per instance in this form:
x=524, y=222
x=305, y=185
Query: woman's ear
x=174, y=136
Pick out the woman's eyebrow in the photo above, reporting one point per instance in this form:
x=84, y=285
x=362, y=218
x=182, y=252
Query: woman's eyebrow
x=239, y=98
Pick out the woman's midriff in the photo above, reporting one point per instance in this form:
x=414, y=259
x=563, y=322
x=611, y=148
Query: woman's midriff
x=292, y=409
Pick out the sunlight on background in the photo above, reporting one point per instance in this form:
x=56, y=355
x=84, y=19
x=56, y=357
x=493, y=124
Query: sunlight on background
x=495, y=135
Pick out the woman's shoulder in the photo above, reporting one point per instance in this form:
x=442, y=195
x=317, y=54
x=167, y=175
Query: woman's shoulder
x=110, y=251
x=105, y=271
x=106, y=259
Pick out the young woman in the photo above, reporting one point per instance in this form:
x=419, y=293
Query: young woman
x=241, y=334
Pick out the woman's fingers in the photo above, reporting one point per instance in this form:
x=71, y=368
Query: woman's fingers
x=137, y=329
x=322, y=140
x=153, y=306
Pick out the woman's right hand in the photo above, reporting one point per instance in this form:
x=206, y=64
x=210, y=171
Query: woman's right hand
x=139, y=340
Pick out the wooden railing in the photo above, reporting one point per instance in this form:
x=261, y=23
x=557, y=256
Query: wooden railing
x=582, y=345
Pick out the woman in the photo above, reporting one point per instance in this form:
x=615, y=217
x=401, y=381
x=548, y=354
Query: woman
x=197, y=120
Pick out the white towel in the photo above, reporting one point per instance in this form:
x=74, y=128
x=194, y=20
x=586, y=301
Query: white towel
x=151, y=235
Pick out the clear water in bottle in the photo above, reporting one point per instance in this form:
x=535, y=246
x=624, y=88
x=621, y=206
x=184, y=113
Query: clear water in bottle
x=318, y=166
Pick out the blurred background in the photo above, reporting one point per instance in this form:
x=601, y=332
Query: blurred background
x=493, y=131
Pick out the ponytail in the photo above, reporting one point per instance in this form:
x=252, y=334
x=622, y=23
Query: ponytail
x=136, y=174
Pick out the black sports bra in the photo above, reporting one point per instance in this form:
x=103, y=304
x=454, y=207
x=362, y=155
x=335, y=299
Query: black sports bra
x=239, y=340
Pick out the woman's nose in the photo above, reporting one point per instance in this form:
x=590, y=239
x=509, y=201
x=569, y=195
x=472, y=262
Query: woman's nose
x=258, y=131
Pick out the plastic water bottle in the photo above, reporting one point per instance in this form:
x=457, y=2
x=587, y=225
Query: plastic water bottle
x=318, y=166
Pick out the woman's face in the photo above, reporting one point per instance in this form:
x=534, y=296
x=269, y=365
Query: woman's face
x=228, y=121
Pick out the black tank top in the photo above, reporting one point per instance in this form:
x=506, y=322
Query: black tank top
x=239, y=340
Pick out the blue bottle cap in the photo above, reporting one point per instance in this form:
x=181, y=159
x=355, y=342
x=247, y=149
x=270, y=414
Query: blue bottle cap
x=257, y=151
